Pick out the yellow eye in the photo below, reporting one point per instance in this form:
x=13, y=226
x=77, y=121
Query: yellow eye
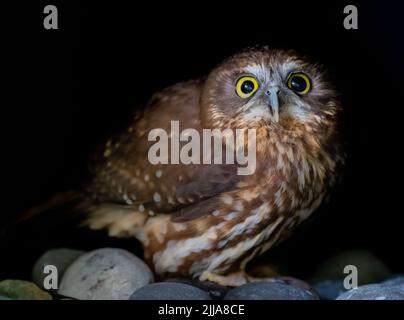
x=299, y=83
x=246, y=86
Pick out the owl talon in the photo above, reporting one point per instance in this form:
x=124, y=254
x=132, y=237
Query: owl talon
x=234, y=279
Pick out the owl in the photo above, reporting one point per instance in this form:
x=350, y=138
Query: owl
x=206, y=221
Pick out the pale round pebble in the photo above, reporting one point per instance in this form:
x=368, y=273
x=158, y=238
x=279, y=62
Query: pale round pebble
x=105, y=274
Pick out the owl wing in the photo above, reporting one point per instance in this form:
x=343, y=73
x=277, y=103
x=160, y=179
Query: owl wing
x=124, y=173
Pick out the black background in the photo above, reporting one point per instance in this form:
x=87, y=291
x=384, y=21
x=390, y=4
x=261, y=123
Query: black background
x=65, y=90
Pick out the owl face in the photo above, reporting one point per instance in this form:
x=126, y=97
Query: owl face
x=267, y=86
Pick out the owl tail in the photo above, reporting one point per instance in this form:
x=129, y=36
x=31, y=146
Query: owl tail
x=70, y=206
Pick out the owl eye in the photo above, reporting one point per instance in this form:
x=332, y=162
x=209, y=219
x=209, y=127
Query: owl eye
x=246, y=86
x=299, y=83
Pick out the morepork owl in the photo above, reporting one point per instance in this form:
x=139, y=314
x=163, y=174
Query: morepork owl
x=205, y=220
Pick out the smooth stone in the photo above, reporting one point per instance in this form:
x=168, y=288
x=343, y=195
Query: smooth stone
x=105, y=274
x=269, y=290
x=22, y=290
x=297, y=283
x=61, y=258
x=329, y=289
x=216, y=291
x=370, y=268
x=394, y=281
x=170, y=291
x=374, y=292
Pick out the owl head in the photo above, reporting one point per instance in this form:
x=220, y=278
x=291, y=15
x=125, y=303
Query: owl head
x=262, y=86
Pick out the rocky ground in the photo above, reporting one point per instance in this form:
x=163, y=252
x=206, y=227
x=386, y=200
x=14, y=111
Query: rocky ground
x=116, y=274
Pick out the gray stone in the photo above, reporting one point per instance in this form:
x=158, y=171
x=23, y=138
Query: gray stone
x=374, y=292
x=216, y=291
x=105, y=274
x=269, y=290
x=394, y=281
x=329, y=289
x=170, y=291
x=297, y=283
x=61, y=258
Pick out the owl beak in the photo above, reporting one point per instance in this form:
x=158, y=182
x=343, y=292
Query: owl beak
x=273, y=101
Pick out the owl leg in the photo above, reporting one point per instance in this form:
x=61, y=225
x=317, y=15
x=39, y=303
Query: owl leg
x=234, y=279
